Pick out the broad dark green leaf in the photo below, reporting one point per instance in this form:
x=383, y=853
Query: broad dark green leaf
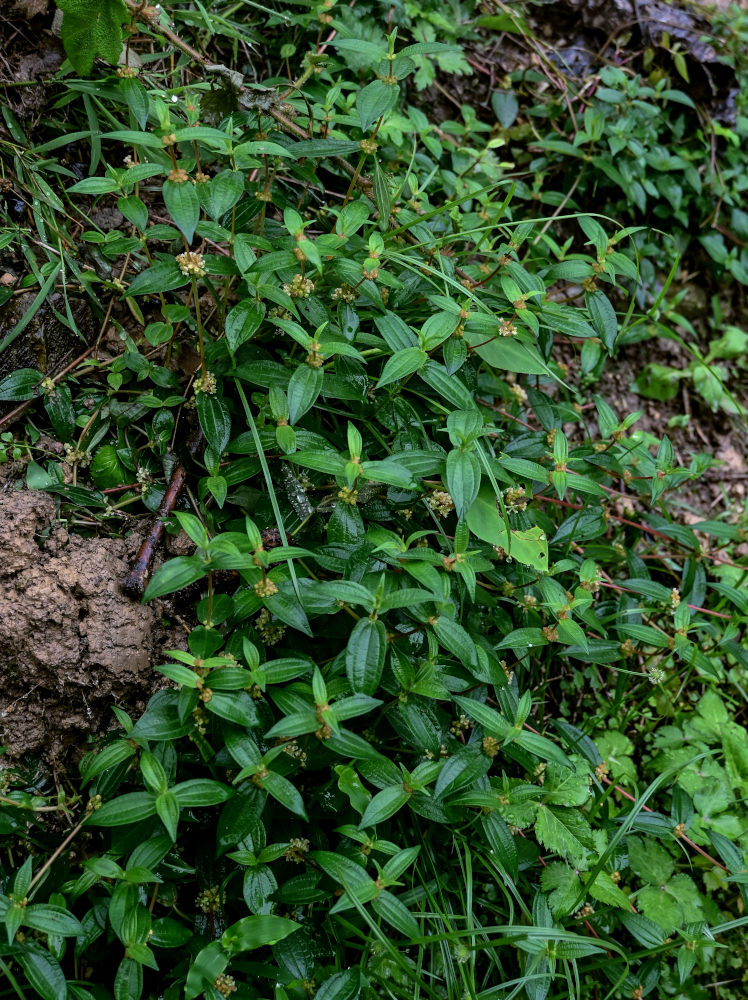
x=183, y=205
x=365, y=654
x=215, y=420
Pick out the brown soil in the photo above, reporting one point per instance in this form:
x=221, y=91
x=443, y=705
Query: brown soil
x=73, y=644
x=718, y=434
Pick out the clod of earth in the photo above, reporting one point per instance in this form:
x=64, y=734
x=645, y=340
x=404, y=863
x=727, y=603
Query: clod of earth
x=72, y=642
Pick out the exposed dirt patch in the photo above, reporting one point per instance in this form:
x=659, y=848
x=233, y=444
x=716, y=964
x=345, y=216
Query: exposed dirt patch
x=73, y=644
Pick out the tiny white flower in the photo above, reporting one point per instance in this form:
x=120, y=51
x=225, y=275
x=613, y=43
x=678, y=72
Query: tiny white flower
x=174, y=98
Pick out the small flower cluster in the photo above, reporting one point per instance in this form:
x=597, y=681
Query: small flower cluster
x=297, y=849
x=226, y=985
x=507, y=328
x=208, y=899
x=270, y=633
x=201, y=718
x=77, y=456
x=441, y=502
x=191, y=263
x=515, y=497
x=205, y=383
x=293, y=750
x=178, y=176
x=299, y=287
x=460, y=725
x=144, y=477
x=344, y=293
x=265, y=588
x=348, y=495
x=656, y=674
x=126, y=72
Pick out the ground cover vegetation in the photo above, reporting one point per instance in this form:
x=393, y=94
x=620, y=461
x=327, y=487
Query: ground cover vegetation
x=460, y=709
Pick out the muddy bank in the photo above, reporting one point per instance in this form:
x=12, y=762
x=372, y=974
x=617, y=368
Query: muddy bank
x=72, y=643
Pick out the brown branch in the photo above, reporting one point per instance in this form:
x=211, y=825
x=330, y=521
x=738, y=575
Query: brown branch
x=136, y=580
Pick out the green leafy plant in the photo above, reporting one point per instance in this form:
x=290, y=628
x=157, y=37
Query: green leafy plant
x=456, y=712
x=93, y=30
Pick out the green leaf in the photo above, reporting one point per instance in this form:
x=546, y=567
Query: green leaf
x=163, y=276
x=507, y=354
x=564, y=831
x=463, y=479
x=346, y=590
x=136, y=98
x=384, y=804
x=219, y=195
x=242, y=322
x=390, y=473
x=51, y=919
x=504, y=104
x=208, y=965
x=604, y=318
x=375, y=100
x=529, y=547
x=284, y=792
x=183, y=205
x=364, y=655
x=453, y=637
x=61, y=412
x=285, y=605
x=321, y=461
x=340, y=986
x=401, y=364
x=256, y=932
x=174, y=575
x=42, y=971
x=129, y=808
x=236, y=706
x=500, y=838
x=215, y=420
x=90, y=30
x=303, y=389
x=200, y=792
x=167, y=808
x=95, y=186
x=19, y=385
x=382, y=196
x=396, y=914
x=319, y=148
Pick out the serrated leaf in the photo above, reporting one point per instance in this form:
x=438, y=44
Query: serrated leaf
x=375, y=100
x=564, y=831
x=92, y=30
